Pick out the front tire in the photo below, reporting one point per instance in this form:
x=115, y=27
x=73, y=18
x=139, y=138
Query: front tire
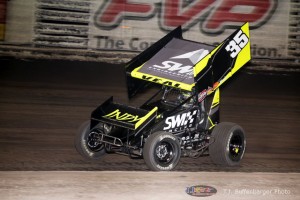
x=86, y=142
x=228, y=144
x=161, y=151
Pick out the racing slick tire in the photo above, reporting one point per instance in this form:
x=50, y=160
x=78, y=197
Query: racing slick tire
x=161, y=151
x=228, y=143
x=85, y=142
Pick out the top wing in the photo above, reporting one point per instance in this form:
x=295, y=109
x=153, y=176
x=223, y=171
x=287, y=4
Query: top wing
x=184, y=64
x=173, y=64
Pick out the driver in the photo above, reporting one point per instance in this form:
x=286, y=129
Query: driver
x=183, y=96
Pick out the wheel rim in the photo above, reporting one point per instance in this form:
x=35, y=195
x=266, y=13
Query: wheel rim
x=164, y=153
x=236, y=146
x=93, y=141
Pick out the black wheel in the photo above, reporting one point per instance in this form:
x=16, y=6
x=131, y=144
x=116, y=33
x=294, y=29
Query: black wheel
x=86, y=141
x=161, y=151
x=228, y=144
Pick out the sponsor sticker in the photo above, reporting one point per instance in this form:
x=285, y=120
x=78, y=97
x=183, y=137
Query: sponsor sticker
x=202, y=95
x=180, y=121
x=123, y=116
x=201, y=191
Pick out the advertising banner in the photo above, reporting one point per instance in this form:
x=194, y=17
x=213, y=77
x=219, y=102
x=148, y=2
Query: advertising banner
x=133, y=25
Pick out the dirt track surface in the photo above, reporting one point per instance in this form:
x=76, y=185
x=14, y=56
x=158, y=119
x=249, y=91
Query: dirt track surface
x=71, y=185
x=42, y=103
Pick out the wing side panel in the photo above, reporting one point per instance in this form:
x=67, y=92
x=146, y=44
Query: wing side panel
x=222, y=62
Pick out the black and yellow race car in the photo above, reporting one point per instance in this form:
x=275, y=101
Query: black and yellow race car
x=182, y=117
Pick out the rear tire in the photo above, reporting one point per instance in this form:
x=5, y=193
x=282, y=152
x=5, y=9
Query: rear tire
x=228, y=144
x=86, y=144
x=162, y=151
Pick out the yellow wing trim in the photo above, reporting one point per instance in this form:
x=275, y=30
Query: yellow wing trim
x=143, y=119
x=216, y=99
x=163, y=81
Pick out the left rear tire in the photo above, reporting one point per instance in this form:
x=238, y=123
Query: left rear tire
x=86, y=142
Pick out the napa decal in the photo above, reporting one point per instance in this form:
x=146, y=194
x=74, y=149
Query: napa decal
x=201, y=191
x=181, y=121
x=123, y=117
x=130, y=118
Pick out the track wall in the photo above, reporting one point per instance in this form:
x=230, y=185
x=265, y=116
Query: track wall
x=130, y=26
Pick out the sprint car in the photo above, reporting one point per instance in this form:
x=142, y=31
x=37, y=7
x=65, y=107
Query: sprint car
x=181, y=118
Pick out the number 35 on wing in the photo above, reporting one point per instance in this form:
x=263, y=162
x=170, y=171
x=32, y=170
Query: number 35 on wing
x=238, y=42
